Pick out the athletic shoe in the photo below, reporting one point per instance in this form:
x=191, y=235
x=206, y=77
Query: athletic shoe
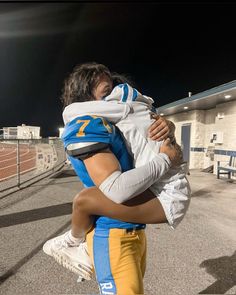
x=74, y=258
x=58, y=242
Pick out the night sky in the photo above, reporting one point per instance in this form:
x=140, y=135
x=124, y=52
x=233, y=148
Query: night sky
x=167, y=49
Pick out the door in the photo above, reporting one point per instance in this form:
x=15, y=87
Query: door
x=185, y=141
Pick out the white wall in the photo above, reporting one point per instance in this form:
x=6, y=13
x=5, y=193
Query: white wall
x=46, y=156
x=194, y=118
x=28, y=132
x=203, y=124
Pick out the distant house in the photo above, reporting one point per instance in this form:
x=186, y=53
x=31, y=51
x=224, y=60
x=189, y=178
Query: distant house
x=21, y=132
x=205, y=125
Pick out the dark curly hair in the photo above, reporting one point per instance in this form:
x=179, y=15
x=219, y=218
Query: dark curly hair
x=80, y=84
x=120, y=79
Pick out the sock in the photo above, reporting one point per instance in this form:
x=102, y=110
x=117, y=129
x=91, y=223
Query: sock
x=73, y=240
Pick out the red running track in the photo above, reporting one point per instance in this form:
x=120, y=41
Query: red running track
x=8, y=159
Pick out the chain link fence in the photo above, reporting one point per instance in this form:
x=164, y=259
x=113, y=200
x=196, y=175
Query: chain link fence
x=24, y=160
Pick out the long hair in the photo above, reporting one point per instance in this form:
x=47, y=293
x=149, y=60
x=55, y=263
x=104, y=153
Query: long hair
x=80, y=84
x=121, y=78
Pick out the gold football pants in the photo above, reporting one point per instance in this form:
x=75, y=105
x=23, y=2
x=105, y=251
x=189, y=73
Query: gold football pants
x=119, y=257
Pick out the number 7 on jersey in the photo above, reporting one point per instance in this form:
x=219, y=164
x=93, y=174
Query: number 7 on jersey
x=81, y=130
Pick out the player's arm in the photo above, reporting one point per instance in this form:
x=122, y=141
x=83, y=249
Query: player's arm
x=111, y=111
x=87, y=137
x=114, y=112
x=104, y=169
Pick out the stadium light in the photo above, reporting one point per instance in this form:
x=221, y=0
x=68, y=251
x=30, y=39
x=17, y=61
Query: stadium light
x=60, y=129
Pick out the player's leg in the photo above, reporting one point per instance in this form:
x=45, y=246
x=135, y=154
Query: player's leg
x=74, y=258
x=145, y=208
x=118, y=255
x=81, y=221
x=72, y=252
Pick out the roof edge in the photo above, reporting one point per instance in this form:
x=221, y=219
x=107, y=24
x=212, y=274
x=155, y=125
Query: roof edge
x=209, y=92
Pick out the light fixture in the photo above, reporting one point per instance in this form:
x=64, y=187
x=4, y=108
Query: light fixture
x=60, y=129
x=161, y=114
x=220, y=115
x=185, y=108
x=227, y=96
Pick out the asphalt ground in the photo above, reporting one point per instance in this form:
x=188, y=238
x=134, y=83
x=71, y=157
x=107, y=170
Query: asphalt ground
x=198, y=257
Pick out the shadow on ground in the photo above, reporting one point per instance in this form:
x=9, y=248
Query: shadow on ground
x=64, y=173
x=13, y=270
x=223, y=269
x=35, y=214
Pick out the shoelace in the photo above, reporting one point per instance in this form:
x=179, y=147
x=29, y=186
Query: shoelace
x=65, y=243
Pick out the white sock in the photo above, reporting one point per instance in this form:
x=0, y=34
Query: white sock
x=73, y=240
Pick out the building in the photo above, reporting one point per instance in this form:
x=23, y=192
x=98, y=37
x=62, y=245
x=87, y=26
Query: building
x=21, y=132
x=205, y=125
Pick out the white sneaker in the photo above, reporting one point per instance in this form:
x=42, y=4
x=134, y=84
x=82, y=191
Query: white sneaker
x=74, y=258
x=56, y=242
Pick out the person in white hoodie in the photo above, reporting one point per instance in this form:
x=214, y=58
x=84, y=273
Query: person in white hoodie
x=129, y=110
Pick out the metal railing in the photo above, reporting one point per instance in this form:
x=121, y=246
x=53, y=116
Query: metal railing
x=23, y=160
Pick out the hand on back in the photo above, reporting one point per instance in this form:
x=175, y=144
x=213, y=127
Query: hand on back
x=173, y=151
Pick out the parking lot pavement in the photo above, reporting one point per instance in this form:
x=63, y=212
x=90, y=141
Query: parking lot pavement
x=198, y=257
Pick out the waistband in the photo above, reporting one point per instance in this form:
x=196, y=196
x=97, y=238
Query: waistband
x=135, y=228
x=118, y=232
x=128, y=228
x=106, y=222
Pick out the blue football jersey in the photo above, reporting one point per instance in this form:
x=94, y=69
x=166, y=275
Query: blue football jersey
x=91, y=129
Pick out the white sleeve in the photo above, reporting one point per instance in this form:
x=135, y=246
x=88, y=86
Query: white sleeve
x=120, y=187
x=112, y=111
